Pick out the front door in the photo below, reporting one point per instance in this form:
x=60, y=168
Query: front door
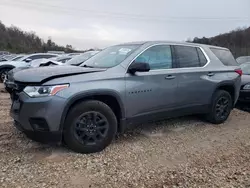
x=151, y=94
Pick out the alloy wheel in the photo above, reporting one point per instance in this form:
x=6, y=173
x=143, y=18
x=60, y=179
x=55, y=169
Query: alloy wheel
x=91, y=127
x=222, y=107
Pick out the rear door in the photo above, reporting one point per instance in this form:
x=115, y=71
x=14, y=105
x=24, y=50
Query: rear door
x=193, y=85
x=150, y=94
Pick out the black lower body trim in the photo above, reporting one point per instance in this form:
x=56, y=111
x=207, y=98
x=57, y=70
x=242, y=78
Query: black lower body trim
x=41, y=136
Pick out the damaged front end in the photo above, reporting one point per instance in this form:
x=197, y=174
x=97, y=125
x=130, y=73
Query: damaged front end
x=11, y=86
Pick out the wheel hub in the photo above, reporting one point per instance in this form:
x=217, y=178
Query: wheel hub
x=91, y=127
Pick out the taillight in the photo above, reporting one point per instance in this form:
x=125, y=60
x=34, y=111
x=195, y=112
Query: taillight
x=238, y=71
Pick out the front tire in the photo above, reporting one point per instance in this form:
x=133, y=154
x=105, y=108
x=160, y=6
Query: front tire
x=221, y=107
x=3, y=73
x=90, y=127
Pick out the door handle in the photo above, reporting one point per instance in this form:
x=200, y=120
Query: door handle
x=169, y=77
x=210, y=74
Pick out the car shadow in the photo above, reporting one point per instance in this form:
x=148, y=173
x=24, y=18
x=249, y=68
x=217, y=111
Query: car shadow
x=243, y=106
x=159, y=128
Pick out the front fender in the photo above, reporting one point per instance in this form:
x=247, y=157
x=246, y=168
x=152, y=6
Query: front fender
x=6, y=67
x=85, y=94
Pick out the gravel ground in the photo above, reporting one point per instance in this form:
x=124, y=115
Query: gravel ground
x=183, y=152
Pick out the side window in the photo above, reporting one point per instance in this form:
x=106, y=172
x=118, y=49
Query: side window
x=40, y=56
x=158, y=57
x=33, y=57
x=203, y=59
x=48, y=56
x=187, y=56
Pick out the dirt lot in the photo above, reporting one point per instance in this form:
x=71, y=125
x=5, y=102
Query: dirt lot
x=183, y=152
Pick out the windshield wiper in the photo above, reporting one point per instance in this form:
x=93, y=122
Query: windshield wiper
x=88, y=66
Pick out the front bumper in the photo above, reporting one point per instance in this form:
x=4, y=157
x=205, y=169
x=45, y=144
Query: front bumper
x=244, y=96
x=40, y=136
x=38, y=118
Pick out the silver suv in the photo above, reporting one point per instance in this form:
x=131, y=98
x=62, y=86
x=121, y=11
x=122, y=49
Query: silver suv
x=121, y=86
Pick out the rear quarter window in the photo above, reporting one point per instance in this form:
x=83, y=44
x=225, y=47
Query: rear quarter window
x=225, y=56
x=203, y=59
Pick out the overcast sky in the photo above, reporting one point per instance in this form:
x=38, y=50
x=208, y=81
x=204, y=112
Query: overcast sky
x=99, y=23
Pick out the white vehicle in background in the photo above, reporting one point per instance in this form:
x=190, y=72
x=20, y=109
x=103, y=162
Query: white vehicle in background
x=73, y=54
x=12, y=57
x=56, y=52
x=79, y=59
x=7, y=57
x=4, y=53
x=243, y=59
x=73, y=60
x=24, y=61
x=17, y=57
x=60, y=60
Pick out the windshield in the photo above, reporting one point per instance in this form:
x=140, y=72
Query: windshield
x=9, y=57
x=60, y=58
x=64, y=60
x=77, y=60
x=54, y=58
x=24, y=57
x=110, y=56
x=17, y=58
x=245, y=68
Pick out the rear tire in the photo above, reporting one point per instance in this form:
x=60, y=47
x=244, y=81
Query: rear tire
x=221, y=107
x=90, y=127
x=3, y=73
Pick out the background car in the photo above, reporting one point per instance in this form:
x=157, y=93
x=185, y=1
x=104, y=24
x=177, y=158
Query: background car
x=245, y=84
x=24, y=61
x=243, y=59
x=8, y=57
x=17, y=57
x=4, y=53
x=63, y=58
x=60, y=60
x=73, y=54
x=77, y=60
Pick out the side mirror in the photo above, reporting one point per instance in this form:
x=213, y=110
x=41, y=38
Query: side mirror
x=28, y=60
x=138, y=67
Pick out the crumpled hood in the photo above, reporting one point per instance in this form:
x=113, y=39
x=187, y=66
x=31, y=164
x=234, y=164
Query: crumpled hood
x=245, y=79
x=44, y=62
x=43, y=74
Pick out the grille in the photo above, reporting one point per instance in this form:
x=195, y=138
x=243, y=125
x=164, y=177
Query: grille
x=14, y=88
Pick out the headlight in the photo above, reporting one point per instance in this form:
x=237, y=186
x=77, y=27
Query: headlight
x=247, y=87
x=44, y=91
